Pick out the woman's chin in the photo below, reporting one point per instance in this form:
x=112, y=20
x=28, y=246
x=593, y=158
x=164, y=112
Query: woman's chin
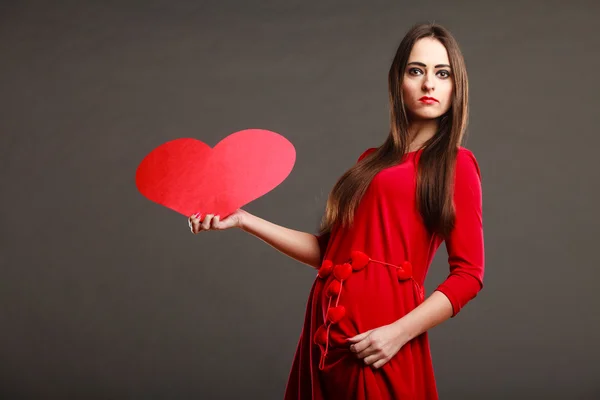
x=424, y=116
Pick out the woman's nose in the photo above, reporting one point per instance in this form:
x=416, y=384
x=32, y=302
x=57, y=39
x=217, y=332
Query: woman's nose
x=428, y=83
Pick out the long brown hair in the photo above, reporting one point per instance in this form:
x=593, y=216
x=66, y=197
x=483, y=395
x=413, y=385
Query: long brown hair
x=438, y=156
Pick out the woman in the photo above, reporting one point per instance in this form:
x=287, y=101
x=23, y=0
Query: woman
x=365, y=331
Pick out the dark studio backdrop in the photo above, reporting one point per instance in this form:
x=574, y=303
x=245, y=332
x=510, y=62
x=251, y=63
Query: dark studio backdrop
x=106, y=295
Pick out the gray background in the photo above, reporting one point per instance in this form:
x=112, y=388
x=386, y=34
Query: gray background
x=104, y=294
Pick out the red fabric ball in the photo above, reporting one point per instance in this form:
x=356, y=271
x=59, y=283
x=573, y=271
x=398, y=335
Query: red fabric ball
x=334, y=288
x=342, y=271
x=325, y=269
x=407, y=266
x=402, y=274
x=320, y=336
x=359, y=260
x=405, y=271
x=335, y=314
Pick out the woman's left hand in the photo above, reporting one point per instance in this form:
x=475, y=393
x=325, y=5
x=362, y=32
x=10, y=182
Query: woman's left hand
x=377, y=346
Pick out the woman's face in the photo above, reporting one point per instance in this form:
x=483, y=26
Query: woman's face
x=427, y=74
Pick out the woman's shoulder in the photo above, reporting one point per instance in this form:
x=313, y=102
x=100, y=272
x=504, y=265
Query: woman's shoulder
x=464, y=151
x=465, y=155
x=466, y=163
x=366, y=153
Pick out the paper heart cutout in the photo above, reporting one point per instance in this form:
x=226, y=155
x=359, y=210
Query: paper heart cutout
x=188, y=176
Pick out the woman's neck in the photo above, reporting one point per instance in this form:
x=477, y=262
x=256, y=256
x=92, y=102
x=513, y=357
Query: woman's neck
x=420, y=132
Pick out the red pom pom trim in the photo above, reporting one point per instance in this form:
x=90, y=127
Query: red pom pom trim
x=359, y=260
x=402, y=275
x=325, y=269
x=335, y=314
x=334, y=288
x=342, y=271
x=405, y=271
x=407, y=266
x=320, y=336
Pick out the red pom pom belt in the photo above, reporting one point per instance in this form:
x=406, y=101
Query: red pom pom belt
x=341, y=272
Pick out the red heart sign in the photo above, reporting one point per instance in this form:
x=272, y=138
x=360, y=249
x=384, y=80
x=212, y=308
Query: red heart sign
x=188, y=176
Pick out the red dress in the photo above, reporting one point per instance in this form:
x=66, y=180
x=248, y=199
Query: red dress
x=349, y=297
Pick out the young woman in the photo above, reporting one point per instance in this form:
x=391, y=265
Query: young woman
x=365, y=331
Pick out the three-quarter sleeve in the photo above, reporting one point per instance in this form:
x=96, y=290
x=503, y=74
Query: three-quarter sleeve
x=465, y=244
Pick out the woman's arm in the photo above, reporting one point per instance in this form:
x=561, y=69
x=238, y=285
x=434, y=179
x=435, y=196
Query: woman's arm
x=433, y=311
x=465, y=255
x=301, y=246
x=465, y=244
x=377, y=346
x=466, y=260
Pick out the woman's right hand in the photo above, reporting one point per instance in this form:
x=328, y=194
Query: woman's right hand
x=212, y=222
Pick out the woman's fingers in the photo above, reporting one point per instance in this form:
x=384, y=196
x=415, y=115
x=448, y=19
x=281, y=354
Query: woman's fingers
x=207, y=221
x=194, y=222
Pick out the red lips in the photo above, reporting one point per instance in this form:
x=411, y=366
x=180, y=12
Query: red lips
x=425, y=98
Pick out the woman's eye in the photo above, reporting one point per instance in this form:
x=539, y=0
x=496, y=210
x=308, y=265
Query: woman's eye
x=416, y=71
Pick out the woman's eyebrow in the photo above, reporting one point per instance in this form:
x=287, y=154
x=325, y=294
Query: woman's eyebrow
x=423, y=65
